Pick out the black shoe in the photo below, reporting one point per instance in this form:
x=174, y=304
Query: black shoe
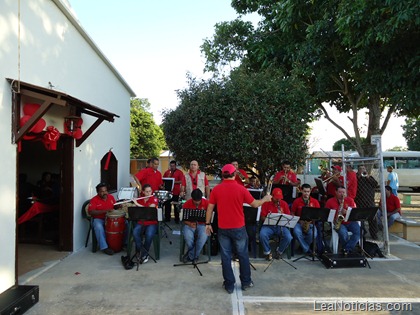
x=186, y=259
x=177, y=221
x=108, y=251
x=228, y=290
x=277, y=255
x=269, y=257
x=247, y=286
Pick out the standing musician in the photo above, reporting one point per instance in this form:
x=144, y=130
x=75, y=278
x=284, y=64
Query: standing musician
x=303, y=229
x=98, y=208
x=286, y=176
x=177, y=175
x=351, y=179
x=277, y=205
x=150, y=175
x=150, y=227
x=253, y=183
x=199, y=203
x=194, y=179
x=341, y=203
x=334, y=181
x=240, y=175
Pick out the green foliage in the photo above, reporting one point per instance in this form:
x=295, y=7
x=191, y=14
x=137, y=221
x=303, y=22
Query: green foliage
x=348, y=145
x=146, y=138
x=351, y=54
x=412, y=133
x=258, y=118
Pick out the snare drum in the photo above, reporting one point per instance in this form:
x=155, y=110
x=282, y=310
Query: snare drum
x=114, y=229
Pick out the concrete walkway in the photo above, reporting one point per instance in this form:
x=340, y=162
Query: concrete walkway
x=94, y=283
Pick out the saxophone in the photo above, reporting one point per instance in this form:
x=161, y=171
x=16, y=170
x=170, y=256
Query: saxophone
x=306, y=225
x=340, y=217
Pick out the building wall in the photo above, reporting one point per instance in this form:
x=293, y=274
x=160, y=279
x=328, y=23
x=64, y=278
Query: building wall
x=53, y=50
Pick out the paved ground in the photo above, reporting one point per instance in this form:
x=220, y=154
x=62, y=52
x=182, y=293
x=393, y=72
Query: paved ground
x=94, y=283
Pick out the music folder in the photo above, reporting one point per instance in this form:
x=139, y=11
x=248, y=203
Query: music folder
x=281, y=219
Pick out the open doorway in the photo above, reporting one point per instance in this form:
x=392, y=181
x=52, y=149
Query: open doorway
x=45, y=203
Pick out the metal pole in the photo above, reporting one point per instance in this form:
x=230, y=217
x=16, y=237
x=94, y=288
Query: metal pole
x=376, y=139
x=343, y=163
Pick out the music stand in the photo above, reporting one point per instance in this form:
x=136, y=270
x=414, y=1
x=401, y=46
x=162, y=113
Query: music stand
x=283, y=220
x=252, y=216
x=314, y=215
x=195, y=215
x=140, y=214
x=287, y=192
x=320, y=186
x=362, y=214
x=256, y=193
x=168, y=183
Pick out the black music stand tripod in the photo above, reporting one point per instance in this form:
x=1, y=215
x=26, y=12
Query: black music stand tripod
x=194, y=215
x=251, y=215
x=314, y=215
x=140, y=214
x=363, y=214
x=277, y=222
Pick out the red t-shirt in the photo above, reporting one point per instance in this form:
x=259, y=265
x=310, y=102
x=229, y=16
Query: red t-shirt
x=150, y=176
x=290, y=176
x=146, y=203
x=268, y=207
x=97, y=203
x=299, y=203
x=333, y=203
x=189, y=204
x=178, y=176
x=331, y=187
x=238, y=179
x=392, y=203
x=229, y=198
x=351, y=184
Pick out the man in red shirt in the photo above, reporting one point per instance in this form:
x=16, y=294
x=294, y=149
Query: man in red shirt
x=304, y=237
x=351, y=178
x=194, y=179
x=277, y=205
x=178, y=176
x=341, y=203
x=286, y=176
x=229, y=198
x=98, y=208
x=149, y=227
x=334, y=181
x=191, y=228
x=393, y=207
x=240, y=176
x=151, y=175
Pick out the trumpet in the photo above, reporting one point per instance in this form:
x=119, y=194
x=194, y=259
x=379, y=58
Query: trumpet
x=364, y=174
x=241, y=176
x=329, y=179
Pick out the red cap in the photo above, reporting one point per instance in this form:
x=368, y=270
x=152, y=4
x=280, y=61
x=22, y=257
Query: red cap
x=337, y=167
x=277, y=193
x=228, y=169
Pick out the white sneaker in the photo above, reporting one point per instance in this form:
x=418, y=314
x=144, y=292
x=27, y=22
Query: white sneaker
x=145, y=259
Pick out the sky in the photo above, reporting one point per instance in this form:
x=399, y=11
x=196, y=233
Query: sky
x=154, y=44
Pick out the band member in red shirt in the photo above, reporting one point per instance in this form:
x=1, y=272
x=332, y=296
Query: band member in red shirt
x=334, y=181
x=178, y=176
x=240, y=176
x=151, y=175
x=286, y=176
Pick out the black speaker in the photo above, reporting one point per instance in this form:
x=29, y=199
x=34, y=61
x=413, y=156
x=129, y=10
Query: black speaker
x=343, y=261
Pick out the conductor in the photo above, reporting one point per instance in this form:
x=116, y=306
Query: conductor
x=229, y=198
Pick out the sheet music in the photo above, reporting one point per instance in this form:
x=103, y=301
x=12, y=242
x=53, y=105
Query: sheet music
x=294, y=192
x=159, y=214
x=258, y=211
x=286, y=220
x=331, y=216
x=348, y=214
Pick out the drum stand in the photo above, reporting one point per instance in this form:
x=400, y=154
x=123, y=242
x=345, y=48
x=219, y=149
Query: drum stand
x=197, y=216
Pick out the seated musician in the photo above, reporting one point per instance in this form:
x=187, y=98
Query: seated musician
x=98, y=207
x=276, y=205
x=253, y=183
x=190, y=228
x=393, y=207
x=341, y=203
x=150, y=228
x=303, y=229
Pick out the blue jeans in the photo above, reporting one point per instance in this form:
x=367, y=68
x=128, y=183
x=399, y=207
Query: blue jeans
x=346, y=243
x=305, y=240
x=395, y=191
x=268, y=231
x=149, y=231
x=99, y=229
x=391, y=218
x=237, y=240
x=193, y=253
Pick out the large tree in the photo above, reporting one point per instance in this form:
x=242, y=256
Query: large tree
x=257, y=118
x=146, y=138
x=352, y=54
x=412, y=133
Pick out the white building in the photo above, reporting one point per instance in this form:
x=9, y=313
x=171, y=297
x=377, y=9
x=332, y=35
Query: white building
x=46, y=58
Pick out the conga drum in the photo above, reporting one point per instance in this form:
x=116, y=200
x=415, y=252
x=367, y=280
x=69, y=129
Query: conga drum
x=114, y=229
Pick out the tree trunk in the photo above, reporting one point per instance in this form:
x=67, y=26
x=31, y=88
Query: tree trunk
x=373, y=126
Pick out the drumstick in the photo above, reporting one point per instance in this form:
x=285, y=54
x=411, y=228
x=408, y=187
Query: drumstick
x=129, y=200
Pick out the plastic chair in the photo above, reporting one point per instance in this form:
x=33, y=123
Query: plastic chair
x=156, y=239
x=335, y=238
x=85, y=215
x=206, y=248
